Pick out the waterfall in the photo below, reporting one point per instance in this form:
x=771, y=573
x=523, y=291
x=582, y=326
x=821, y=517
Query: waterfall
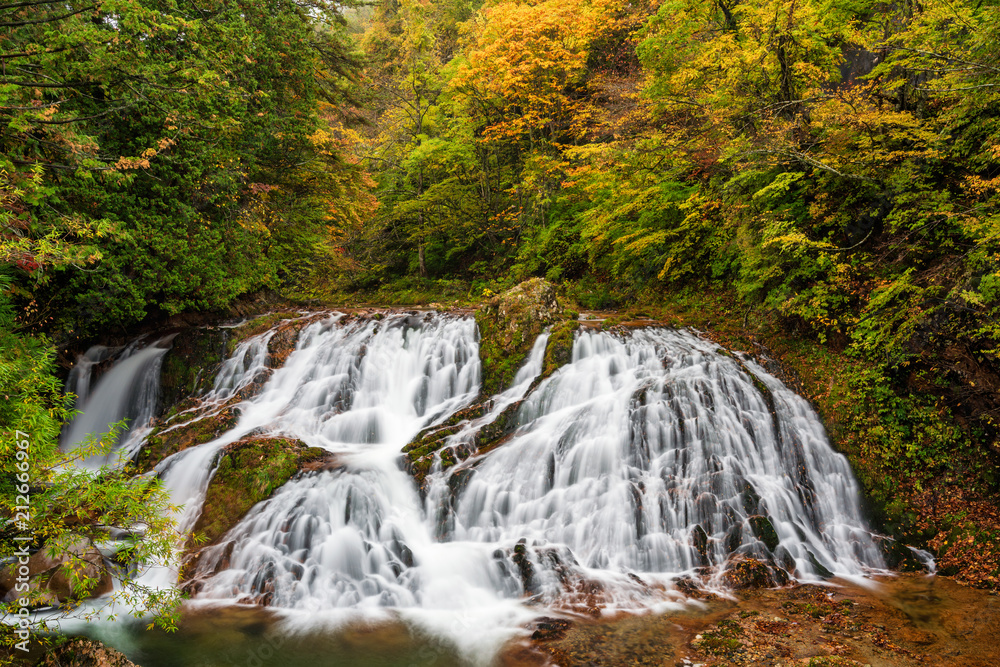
x=641, y=445
x=128, y=390
x=78, y=382
x=651, y=455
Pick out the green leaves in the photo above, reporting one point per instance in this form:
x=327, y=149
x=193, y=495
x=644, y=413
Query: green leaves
x=163, y=150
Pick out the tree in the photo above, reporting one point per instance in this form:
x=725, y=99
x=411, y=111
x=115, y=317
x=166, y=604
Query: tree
x=152, y=130
x=56, y=514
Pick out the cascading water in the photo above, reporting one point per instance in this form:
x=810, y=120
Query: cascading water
x=647, y=457
x=128, y=390
x=78, y=382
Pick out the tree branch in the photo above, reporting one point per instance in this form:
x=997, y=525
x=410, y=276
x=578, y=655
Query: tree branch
x=17, y=24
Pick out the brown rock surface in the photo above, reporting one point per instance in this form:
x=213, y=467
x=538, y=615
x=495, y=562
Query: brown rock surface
x=907, y=621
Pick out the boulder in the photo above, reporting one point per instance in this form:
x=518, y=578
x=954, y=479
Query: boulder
x=51, y=576
x=743, y=573
x=249, y=471
x=81, y=652
x=508, y=326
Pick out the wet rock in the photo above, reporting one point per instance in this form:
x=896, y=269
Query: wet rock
x=190, y=366
x=457, y=483
x=524, y=566
x=85, y=653
x=51, y=576
x=898, y=556
x=744, y=573
x=283, y=342
x=699, y=540
x=764, y=531
x=548, y=629
x=750, y=499
x=820, y=569
x=784, y=558
x=734, y=538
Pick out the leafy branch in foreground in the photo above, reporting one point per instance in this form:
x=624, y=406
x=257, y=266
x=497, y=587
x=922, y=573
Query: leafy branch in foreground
x=68, y=533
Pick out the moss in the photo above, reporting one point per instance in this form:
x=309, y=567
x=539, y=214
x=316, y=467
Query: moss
x=248, y=472
x=508, y=326
x=164, y=443
x=714, y=644
x=256, y=327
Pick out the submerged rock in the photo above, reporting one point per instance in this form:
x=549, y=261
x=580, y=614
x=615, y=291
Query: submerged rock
x=81, y=652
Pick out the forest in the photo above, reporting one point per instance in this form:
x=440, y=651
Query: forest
x=818, y=177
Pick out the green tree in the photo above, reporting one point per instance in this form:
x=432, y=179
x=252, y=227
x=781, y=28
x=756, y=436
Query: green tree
x=167, y=137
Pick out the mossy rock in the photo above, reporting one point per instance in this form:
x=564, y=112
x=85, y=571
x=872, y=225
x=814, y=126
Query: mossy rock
x=899, y=557
x=163, y=443
x=764, y=531
x=421, y=450
x=190, y=366
x=284, y=340
x=508, y=326
x=255, y=327
x=559, y=349
x=434, y=435
x=821, y=569
x=744, y=573
x=248, y=472
x=497, y=431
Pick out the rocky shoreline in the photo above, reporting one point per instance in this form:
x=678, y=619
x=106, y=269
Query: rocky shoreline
x=899, y=621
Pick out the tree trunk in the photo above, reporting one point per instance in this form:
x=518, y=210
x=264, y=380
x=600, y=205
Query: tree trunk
x=420, y=226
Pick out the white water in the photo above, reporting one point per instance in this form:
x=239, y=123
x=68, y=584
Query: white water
x=355, y=538
x=621, y=457
x=128, y=390
x=634, y=444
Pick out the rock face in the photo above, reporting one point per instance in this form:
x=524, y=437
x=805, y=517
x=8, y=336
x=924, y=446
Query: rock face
x=191, y=421
x=508, y=326
x=190, y=365
x=249, y=471
x=50, y=579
